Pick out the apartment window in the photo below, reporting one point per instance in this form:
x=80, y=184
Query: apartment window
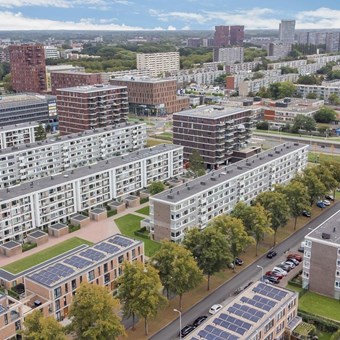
x=66, y=287
x=74, y=284
x=98, y=270
x=105, y=268
x=269, y=325
x=269, y=337
x=337, y=284
x=57, y=304
x=306, y=264
x=307, y=254
x=81, y=279
x=121, y=259
x=107, y=278
x=280, y=314
x=65, y=302
x=91, y=275
x=120, y=271
x=111, y=264
x=6, y=319
x=133, y=253
x=57, y=292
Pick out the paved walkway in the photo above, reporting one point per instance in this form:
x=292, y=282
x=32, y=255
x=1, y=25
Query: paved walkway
x=94, y=232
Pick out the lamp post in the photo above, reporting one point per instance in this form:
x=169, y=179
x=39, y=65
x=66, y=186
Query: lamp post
x=261, y=271
x=180, y=321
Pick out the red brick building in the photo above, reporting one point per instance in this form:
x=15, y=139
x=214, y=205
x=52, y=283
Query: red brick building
x=88, y=107
x=28, y=68
x=60, y=80
x=228, y=35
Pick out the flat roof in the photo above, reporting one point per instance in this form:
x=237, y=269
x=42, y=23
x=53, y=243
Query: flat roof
x=61, y=139
x=79, y=262
x=211, y=112
x=226, y=173
x=10, y=244
x=37, y=234
x=328, y=231
x=91, y=88
x=21, y=99
x=136, y=79
x=74, y=174
x=19, y=126
x=58, y=226
x=246, y=314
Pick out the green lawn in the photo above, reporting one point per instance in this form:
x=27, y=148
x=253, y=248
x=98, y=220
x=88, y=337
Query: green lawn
x=320, y=305
x=44, y=255
x=294, y=288
x=144, y=211
x=273, y=132
x=320, y=157
x=164, y=136
x=130, y=223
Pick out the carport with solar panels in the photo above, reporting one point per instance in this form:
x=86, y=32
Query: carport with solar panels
x=236, y=320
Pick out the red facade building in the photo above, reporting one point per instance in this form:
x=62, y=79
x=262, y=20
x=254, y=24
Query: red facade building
x=228, y=35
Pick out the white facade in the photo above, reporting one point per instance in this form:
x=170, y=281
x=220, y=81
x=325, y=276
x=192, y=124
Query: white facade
x=196, y=203
x=51, y=52
x=287, y=31
x=14, y=135
x=229, y=55
x=41, y=159
x=41, y=203
x=158, y=63
x=322, y=91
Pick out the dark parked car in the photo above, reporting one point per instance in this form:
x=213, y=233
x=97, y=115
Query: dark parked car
x=271, y=279
x=301, y=250
x=329, y=197
x=284, y=267
x=295, y=256
x=306, y=213
x=320, y=204
x=238, y=261
x=271, y=254
x=199, y=320
x=270, y=273
x=187, y=329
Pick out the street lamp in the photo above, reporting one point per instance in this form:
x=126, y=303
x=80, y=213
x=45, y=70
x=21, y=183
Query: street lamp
x=261, y=271
x=180, y=321
x=279, y=128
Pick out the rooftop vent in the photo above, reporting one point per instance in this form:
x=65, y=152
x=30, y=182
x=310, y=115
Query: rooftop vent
x=170, y=196
x=326, y=236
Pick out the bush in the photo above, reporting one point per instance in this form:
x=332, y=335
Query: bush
x=72, y=228
x=321, y=323
x=28, y=246
x=13, y=294
x=140, y=234
x=144, y=200
x=111, y=213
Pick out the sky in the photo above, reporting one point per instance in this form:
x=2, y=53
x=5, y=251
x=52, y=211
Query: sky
x=165, y=14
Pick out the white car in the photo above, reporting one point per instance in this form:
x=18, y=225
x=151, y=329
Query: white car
x=326, y=202
x=289, y=263
x=279, y=270
x=214, y=309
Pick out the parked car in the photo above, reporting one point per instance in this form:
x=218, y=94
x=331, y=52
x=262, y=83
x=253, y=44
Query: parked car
x=271, y=254
x=238, y=291
x=306, y=213
x=214, y=309
x=186, y=330
x=279, y=270
x=284, y=267
x=276, y=274
x=295, y=256
x=301, y=249
x=329, y=197
x=295, y=261
x=199, y=320
x=320, y=204
x=326, y=203
x=271, y=279
x=290, y=264
x=238, y=261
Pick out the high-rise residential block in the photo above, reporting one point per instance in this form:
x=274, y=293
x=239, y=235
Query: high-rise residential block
x=287, y=31
x=215, y=132
x=229, y=55
x=152, y=96
x=89, y=107
x=15, y=135
x=228, y=35
x=51, y=52
x=333, y=42
x=279, y=49
x=236, y=35
x=158, y=63
x=28, y=68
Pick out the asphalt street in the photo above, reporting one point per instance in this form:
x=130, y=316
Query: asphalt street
x=251, y=273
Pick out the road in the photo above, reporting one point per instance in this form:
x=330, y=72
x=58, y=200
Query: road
x=251, y=273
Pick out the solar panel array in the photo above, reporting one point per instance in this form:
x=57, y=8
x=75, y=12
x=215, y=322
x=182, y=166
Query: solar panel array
x=269, y=291
x=121, y=241
x=93, y=255
x=52, y=274
x=233, y=324
x=246, y=312
x=77, y=262
x=259, y=302
x=107, y=248
x=212, y=333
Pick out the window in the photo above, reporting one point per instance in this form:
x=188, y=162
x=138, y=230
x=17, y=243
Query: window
x=81, y=279
x=105, y=268
x=65, y=302
x=91, y=275
x=269, y=325
x=269, y=337
x=6, y=319
x=74, y=284
x=57, y=304
x=57, y=292
x=66, y=288
x=107, y=278
x=280, y=314
x=121, y=259
x=98, y=270
x=111, y=264
x=133, y=253
x=337, y=284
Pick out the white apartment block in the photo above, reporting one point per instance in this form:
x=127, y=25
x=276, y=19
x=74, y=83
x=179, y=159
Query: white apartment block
x=229, y=55
x=51, y=52
x=158, y=63
x=50, y=200
x=292, y=64
x=197, y=202
x=199, y=76
x=15, y=135
x=322, y=91
x=248, y=66
x=36, y=160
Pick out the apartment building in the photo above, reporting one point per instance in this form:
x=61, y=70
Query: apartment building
x=279, y=49
x=50, y=287
x=198, y=75
x=158, y=63
x=36, y=160
x=322, y=91
x=51, y=52
x=90, y=107
x=66, y=79
x=287, y=31
x=213, y=131
x=152, y=96
x=28, y=68
x=4, y=54
x=321, y=261
x=15, y=135
x=235, y=68
x=261, y=312
x=197, y=202
x=24, y=108
x=229, y=55
x=50, y=200
x=228, y=35
x=333, y=42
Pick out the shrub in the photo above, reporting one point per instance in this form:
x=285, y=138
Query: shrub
x=28, y=246
x=111, y=213
x=144, y=200
x=321, y=323
x=72, y=228
x=143, y=235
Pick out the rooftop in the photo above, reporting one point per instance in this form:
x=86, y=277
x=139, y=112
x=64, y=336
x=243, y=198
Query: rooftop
x=46, y=182
x=328, y=231
x=145, y=79
x=37, y=234
x=90, y=88
x=10, y=244
x=61, y=139
x=21, y=99
x=211, y=112
x=14, y=127
x=224, y=174
x=246, y=314
x=62, y=270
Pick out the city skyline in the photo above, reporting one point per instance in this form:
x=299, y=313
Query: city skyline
x=161, y=15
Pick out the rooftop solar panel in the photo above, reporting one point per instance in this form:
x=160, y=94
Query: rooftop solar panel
x=121, y=241
x=77, y=262
x=92, y=254
x=107, y=248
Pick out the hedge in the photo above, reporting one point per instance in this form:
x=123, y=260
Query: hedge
x=144, y=200
x=321, y=323
x=141, y=234
x=28, y=246
x=73, y=228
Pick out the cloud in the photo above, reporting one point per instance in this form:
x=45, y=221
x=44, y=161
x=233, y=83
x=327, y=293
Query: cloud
x=16, y=21
x=322, y=17
x=123, y=2
x=55, y=3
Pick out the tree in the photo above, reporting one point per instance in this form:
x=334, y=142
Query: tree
x=156, y=187
x=139, y=291
x=297, y=198
x=7, y=83
x=93, y=313
x=243, y=212
x=210, y=250
x=196, y=163
x=177, y=269
x=334, y=168
x=311, y=79
x=336, y=335
x=234, y=231
x=334, y=99
x=282, y=90
x=39, y=327
x=325, y=115
x=262, y=125
x=312, y=95
x=276, y=205
x=302, y=122
x=325, y=176
x=40, y=133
